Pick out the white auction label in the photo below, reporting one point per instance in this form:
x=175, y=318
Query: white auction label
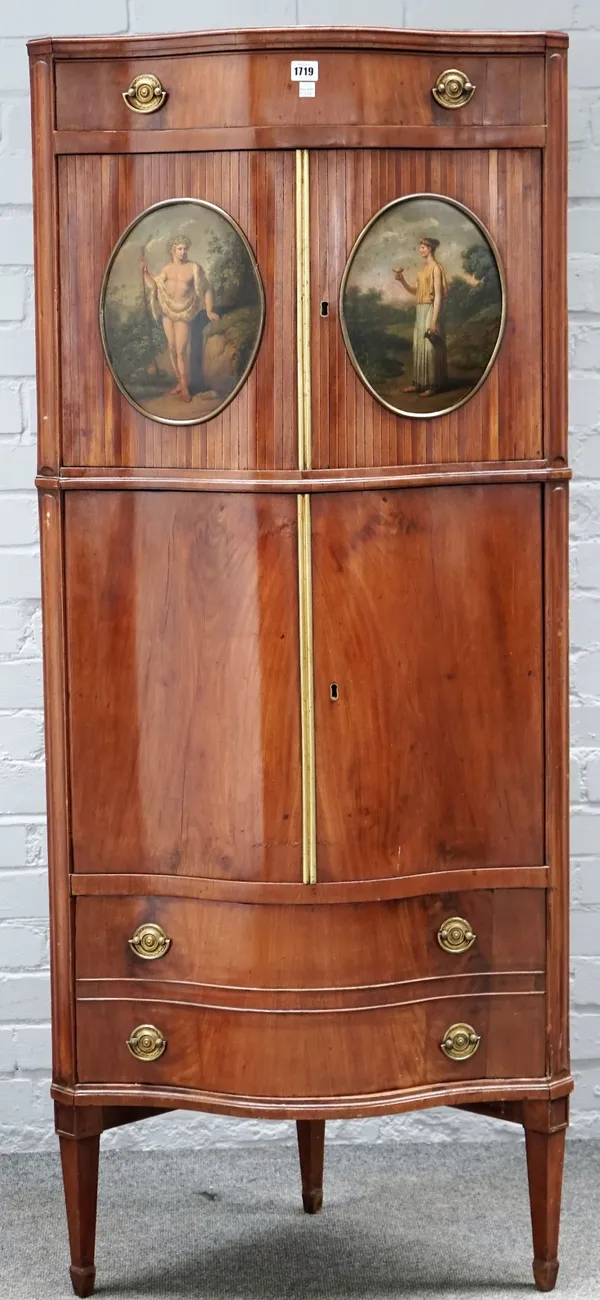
x=305, y=70
x=306, y=89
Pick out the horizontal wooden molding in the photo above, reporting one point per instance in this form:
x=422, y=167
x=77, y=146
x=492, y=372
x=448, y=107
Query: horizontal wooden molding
x=447, y=1094
x=286, y=38
x=310, y=1001
x=323, y=480
x=210, y=139
x=249, y=891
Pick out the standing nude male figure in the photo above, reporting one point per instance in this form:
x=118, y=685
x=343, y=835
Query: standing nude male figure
x=178, y=294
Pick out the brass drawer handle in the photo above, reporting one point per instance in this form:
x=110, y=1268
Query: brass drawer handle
x=145, y=94
x=453, y=89
x=149, y=941
x=146, y=1043
x=456, y=935
x=460, y=1042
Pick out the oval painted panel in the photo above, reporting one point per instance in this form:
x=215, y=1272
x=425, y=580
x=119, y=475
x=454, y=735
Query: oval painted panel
x=423, y=305
x=181, y=311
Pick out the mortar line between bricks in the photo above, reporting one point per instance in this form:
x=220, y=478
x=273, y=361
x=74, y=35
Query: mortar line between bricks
x=23, y=819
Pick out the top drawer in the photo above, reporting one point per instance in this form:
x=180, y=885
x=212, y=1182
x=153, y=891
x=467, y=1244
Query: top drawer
x=254, y=89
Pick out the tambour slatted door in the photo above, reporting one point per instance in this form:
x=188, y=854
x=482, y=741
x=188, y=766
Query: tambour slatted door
x=503, y=421
x=303, y=501
x=99, y=426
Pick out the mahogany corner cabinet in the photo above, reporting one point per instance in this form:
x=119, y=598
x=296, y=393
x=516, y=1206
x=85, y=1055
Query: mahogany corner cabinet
x=303, y=497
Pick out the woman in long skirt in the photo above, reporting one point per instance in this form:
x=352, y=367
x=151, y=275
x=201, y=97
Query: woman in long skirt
x=430, y=365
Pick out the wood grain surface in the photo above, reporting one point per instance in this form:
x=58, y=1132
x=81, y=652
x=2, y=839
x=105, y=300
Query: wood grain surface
x=350, y=428
x=171, y=628
x=556, y=615
x=56, y=734
x=270, y=1055
x=100, y=427
x=545, y=1132
x=322, y=480
x=183, y=653
x=360, y=39
x=503, y=420
x=312, y=1002
x=350, y=945
x=454, y=1092
x=45, y=216
x=554, y=244
x=298, y=136
x=377, y=890
x=255, y=89
x=428, y=618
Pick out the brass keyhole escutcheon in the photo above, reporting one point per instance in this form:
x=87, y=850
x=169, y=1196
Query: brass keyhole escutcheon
x=453, y=89
x=149, y=941
x=145, y=94
x=456, y=935
x=146, y=1043
x=460, y=1042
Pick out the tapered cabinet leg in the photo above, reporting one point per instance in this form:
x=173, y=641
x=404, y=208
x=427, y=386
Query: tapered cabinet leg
x=79, y=1153
x=311, y=1147
x=545, y=1131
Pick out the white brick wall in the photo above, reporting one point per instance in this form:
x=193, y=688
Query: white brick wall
x=25, y=1112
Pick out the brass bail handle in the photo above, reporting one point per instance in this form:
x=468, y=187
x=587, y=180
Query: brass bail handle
x=146, y=1043
x=460, y=1042
x=456, y=935
x=149, y=941
x=453, y=89
x=145, y=94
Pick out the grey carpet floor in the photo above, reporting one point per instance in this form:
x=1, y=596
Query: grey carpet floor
x=403, y=1220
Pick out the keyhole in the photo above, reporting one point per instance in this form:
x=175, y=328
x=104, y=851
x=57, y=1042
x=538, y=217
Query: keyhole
x=324, y=307
x=334, y=691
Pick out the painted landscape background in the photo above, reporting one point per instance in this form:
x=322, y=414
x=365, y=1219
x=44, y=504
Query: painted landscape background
x=379, y=315
x=220, y=350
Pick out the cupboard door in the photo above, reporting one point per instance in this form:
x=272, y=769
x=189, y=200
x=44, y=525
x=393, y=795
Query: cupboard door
x=428, y=680
x=257, y=430
x=184, y=683
x=503, y=419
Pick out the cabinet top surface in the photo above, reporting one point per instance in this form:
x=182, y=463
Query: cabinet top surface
x=264, y=38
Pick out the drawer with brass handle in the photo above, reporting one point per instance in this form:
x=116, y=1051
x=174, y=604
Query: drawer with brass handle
x=212, y=91
x=224, y=1049
x=479, y=933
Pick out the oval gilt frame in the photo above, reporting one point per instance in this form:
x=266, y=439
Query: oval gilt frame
x=154, y=207
x=405, y=198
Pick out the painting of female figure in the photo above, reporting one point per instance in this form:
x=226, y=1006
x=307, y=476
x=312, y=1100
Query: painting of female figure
x=422, y=305
x=181, y=311
x=430, y=364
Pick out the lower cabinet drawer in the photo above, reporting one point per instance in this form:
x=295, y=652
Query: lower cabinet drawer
x=310, y=1054
x=345, y=945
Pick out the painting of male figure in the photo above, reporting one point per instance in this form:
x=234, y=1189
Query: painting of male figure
x=422, y=305
x=177, y=294
x=181, y=311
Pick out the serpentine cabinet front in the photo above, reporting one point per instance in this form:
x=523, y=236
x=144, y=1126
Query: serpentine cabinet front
x=303, y=490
